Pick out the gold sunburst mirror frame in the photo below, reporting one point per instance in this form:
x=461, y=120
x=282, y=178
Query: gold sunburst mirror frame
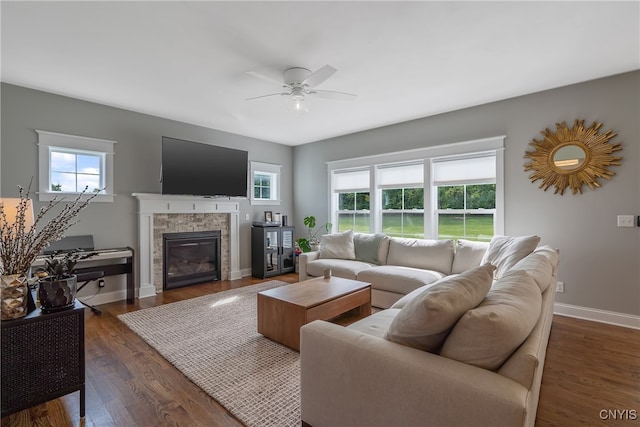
x=572, y=157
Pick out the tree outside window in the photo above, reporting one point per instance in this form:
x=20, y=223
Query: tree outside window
x=353, y=211
x=466, y=211
x=403, y=212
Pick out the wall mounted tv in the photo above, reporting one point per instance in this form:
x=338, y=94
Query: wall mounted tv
x=192, y=168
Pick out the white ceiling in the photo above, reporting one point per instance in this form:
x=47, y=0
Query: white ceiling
x=187, y=61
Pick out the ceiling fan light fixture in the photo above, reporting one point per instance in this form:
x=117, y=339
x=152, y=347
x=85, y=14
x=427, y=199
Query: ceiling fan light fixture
x=299, y=106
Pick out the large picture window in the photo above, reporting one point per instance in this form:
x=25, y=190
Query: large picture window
x=452, y=191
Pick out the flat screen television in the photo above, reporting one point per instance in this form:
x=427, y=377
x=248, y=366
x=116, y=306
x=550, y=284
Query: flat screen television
x=193, y=168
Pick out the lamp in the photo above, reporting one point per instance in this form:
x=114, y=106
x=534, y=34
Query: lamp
x=10, y=207
x=297, y=97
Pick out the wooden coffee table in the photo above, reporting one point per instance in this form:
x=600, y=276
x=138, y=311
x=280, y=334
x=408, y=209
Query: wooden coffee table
x=284, y=310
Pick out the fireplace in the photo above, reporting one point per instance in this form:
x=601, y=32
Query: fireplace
x=190, y=258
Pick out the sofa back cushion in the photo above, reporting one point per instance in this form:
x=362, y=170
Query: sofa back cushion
x=540, y=265
x=468, y=255
x=338, y=245
x=421, y=253
x=487, y=335
x=368, y=247
x=505, y=251
x=425, y=321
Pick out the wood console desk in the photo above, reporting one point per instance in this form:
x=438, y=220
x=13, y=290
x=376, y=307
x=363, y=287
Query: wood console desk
x=111, y=262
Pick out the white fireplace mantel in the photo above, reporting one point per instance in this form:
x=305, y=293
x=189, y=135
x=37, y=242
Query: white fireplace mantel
x=150, y=204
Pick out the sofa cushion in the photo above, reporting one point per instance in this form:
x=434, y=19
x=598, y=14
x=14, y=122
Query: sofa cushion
x=376, y=324
x=367, y=247
x=411, y=295
x=487, y=335
x=345, y=268
x=421, y=253
x=338, y=245
x=397, y=279
x=505, y=251
x=468, y=255
x=425, y=321
x=540, y=267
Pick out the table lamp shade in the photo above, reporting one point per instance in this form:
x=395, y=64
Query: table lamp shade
x=10, y=208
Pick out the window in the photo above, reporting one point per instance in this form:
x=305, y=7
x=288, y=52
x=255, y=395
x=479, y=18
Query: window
x=448, y=191
x=466, y=197
x=402, y=199
x=351, y=196
x=68, y=164
x=265, y=184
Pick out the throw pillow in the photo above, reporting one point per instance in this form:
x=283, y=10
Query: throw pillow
x=425, y=321
x=468, y=255
x=367, y=245
x=339, y=245
x=487, y=335
x=505, y=251
x=421, y=253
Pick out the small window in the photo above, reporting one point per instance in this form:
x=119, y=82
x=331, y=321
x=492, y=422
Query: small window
x=68, y=164
x=266, y=184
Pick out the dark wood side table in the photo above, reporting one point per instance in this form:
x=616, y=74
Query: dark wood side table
x=42, y=358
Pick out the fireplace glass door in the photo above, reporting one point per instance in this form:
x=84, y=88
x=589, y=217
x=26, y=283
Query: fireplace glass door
x=190, y=258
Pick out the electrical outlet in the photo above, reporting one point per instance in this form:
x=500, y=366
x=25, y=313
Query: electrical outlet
x=560, y=287
x=101, y=283
x=625, y=220
x=246, y=217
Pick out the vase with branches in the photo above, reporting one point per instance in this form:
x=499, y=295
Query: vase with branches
x=23, y=240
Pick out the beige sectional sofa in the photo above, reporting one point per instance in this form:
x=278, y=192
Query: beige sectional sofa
x=465, y=350
x=394, y=266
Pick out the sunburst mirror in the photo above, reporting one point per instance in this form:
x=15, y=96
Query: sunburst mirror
x=572, y=157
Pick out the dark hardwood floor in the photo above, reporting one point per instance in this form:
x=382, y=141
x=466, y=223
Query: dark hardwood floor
x=590, y=367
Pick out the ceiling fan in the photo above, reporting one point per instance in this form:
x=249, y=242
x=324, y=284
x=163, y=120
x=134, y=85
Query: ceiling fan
x=298, y=82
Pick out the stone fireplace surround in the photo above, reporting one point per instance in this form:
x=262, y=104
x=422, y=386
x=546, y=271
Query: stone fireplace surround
x=158, y=213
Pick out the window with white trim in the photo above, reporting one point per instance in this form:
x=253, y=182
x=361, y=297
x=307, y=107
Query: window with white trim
x=69, y=164
x=465, y=188
x=446, y=191
x=351, y=196
x=265, y=183
x=401, y=190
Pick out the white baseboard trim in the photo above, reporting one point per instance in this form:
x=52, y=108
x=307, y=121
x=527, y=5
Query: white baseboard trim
x=145, y=291
x=596, y=315
x=245, y=272
x=104, y=297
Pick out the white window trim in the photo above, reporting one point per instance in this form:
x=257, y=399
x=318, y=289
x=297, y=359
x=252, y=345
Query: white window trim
x=427, y=154
x=48, y=140
x=270, y=168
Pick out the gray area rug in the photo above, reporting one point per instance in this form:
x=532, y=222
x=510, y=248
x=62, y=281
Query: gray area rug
x=213, y=340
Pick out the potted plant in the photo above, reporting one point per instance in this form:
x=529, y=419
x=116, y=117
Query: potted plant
x=311, y=242
x=22, y=239
x=57, y=282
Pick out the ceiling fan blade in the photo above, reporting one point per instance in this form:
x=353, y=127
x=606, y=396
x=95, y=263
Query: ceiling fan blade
x=266, y=78
x=332, y=94
x=319, y=76
x=266, y=96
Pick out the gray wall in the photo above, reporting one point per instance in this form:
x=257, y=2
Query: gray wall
x=600, y=263
x=136, y=164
